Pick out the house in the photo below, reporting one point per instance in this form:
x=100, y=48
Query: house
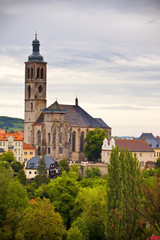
x=11, y=141
x=51, y=165
x=143, y=151
x=28, y=152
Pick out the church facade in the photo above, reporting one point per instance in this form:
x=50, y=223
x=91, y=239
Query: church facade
x=58, y=130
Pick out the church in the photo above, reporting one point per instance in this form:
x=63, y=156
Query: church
x=59, y=130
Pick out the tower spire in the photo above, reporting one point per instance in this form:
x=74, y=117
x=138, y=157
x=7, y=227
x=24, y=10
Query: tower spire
x=35, y=56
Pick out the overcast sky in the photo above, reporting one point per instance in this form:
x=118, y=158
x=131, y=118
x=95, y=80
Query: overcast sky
x=106, y=52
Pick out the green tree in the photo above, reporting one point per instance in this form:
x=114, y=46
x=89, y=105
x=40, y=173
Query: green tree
x=74, y=234
x=4, y=164
x=75, y=168
x=93, y=172
x=94, y=141
x=40, y=221
x=64, y=165
x=17, y=166
x=42, y=172
x=82, y=226
x=62, y=192
x=17, y=197
x=123, y=195
x=157, y=165
x=22, y=177
x=8, y=157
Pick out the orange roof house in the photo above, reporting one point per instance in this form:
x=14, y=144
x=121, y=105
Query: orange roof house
x=28, y=152
x=141, y=148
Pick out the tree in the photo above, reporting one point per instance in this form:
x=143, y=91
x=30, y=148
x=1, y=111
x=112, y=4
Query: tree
x=22, y=177
x=93, y=172
x=64, y=165
x=8, y=157
x=94, y=141
x=123, y=195
x=4, y=164
x=74, y=234
x=157, y=165
x=42, y=172
x=17, y=166
x=40, y=221
x=62, y=192
x=81, y=225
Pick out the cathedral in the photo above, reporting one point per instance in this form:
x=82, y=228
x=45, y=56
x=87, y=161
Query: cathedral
x=58, y=130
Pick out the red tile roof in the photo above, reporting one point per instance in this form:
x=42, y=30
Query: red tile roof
x=134, y=145
x=4, y=137
x=154, y=238
x=27, y=146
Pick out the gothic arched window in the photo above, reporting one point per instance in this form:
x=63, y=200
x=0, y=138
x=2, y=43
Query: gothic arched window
x=31, y=73
x=40, y=89
x=28, y=72
x=49, y=150
x=60, y=138
x=49, y=138
x=39, y=137
x=29, y=91
x=74, y=141
x=41, y=73
x=31, y=106
x=39, y=151
x=38, y=70
x=82, y=142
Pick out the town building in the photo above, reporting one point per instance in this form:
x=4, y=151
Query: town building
x=28, y=152
x=12, y=142
x=141, y=148
x=52, y=167
x=58, y=130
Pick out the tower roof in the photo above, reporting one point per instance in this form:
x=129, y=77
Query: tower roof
x=35, y=56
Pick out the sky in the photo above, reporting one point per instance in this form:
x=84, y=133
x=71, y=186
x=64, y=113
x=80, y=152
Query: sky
x=105, y=52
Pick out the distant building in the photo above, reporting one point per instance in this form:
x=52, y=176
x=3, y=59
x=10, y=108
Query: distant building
x=51, y=165
x=28, y=152
x=146, y=136
x=143, y=151
x=12, y=142
x=58, y=130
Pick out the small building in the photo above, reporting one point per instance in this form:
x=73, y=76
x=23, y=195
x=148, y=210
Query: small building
x=51, y=165
x=28, y=152
x=11, y=141
x=143, y=151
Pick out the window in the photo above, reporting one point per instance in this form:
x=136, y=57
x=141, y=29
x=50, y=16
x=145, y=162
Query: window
x=3, y=143
x=60, y=150
x=49, y=150
x=39, y=151
x=25, y=160
x=140, y=154
x=60, y=137
x=31, y=106
x=38, y=72
x=29, y=172
x=29, y=91
x=74, y=141
x=40, y=89
x=41, y=73
x=39, y=137
x=31, y=165
x=82, y=142
x=107, y=153
x=25, y=153
x=28, y=72
x=142, y=163
x=49, y=138
x=31, y=153
x=31, y=73
x=0, y=143
x=35, y=173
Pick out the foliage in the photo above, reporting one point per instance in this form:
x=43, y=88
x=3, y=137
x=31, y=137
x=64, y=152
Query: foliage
x=17, y=197
x=157, y=165
x=124, y=196
x=42, y=172
x=90, y=205
x=75, y=168
x=22, y=177
x=40, y=221
x=94, y=141
x=62, y=192
x=9, y=123
x=41, y=191
x=81, y=225
x=64, y=165
x=74, y=234
x=93, y=172
x=4, y=164
x=8, y=157
x=17, y=166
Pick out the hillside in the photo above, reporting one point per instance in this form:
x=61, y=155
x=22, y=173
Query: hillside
x=9, y=123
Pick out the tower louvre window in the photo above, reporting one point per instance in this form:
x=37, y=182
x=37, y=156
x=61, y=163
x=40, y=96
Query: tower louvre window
x=31, y=73
x=38, y=70
x=41, y=73
x=74, y=141
x=40, y=89
x=28, y=72
x=29, y=91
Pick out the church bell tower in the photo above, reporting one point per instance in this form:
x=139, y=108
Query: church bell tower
x=35, y=90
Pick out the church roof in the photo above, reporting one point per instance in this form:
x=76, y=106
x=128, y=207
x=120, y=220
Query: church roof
x=76, y=116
